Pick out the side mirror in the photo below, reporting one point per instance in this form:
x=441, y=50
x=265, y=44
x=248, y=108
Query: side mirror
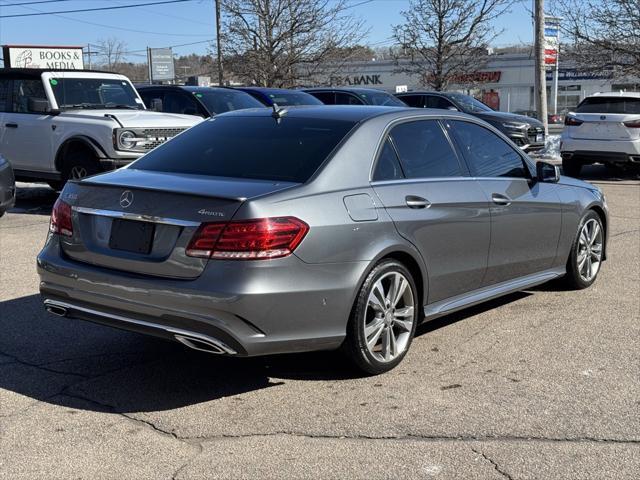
x=546, y=172
x=38, y=105
x=156, y=105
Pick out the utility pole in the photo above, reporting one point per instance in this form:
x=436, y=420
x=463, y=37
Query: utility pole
x=218, y=44
x=89, y=55
x=541, y=74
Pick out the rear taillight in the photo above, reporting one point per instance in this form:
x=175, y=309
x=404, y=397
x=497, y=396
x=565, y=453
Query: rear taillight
x=248, y=239
x=632, y=124
x=61, y=219
x=572, y=121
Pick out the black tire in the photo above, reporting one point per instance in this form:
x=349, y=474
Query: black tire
x=57, y=185
x=79, y=163
x=355, y=345
x=573, y=279
x=571, y=168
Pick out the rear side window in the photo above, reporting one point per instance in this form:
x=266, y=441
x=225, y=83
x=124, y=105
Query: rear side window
x=347, y=99
x=610, y=105
x=388, y=166
x=439, y=102
x=413, y=100
x=291, y=149
x=488, y=155
x=424, y=150
x=328, y=98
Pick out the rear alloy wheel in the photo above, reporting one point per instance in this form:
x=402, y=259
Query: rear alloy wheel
x=78, y=164
x=571, y=168
x=586, y=255
x=384, y=318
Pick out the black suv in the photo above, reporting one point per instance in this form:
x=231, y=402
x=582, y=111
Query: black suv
x=354, y=96
x=526, y=132
x=202, y=101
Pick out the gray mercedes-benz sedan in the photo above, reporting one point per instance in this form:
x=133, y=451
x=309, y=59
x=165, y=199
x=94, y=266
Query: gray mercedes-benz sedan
x=261, y=232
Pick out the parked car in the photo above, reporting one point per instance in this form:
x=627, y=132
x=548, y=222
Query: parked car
x=280, y=96
x=552, y=118
x=354, y=96
x=330, y=226
x=201, y=101
x=7, y=186
x=84, y=122
x=605, y=128
x=526, y=132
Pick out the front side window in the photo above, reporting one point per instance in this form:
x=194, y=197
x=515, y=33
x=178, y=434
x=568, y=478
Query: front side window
x=94, y=93
x=424, y=150
x=175, y=102
x=416, y=101
x=24, y=91
x=388, y=166
x=439, y=102
x=256, y=147
x=469, y=104
x=488, y=155
x=380, y=98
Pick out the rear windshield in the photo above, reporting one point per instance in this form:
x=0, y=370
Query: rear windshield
x=290, y=99
x=609, y=105
x=290, y=149
x=227, y=100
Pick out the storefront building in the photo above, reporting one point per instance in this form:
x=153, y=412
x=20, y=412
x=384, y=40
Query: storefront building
x=506, y=83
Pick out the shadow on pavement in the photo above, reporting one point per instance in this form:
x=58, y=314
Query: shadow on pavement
x=34, y=198
x=602, y=173
x=59, y=361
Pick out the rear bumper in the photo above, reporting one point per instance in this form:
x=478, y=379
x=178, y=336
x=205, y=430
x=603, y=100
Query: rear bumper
x=253, y=308
x=592, y=151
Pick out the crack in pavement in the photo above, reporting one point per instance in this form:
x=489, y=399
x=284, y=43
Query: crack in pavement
x=623, y=233
x=495, y=465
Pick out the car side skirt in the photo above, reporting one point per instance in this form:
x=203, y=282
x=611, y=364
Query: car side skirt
x=490, y=292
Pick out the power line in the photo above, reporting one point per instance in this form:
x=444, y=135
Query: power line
x=32, y=3
x=118, y=7
x=124, y=29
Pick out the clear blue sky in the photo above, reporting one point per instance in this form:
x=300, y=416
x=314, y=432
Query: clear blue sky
x=173, y=24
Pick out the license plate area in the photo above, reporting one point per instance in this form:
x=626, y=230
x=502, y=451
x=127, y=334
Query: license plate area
x=131, y=236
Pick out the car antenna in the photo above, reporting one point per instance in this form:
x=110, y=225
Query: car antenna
x=278, y=112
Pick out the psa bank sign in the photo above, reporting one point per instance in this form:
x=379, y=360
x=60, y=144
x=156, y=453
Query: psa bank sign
x=22, y=56
x=357, y=80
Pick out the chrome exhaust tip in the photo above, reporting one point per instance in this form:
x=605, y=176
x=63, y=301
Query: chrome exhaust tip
x=201, y=344
x=56, y=310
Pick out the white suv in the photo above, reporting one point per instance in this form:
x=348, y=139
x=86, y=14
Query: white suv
x=57, y=125
x=605, y=128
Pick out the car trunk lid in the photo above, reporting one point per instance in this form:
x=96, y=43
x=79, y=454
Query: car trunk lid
x=141, y=222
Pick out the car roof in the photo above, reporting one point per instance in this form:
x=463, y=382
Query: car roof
x=344, y=89
x=37, y=72
x=616, y=94
x=269, y=89
x=354, y=113
x=429, y=92
x=187, y=88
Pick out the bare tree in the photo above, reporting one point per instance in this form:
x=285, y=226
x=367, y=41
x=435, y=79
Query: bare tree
x=445, y=39
x=112, y=51
x=604, y=34
x=287, y=43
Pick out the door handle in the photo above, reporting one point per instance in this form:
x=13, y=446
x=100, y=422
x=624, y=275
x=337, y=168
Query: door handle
x=414, y=201
x=499, y=199
x=11, y=125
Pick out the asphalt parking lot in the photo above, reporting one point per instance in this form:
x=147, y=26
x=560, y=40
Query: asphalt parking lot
x=540, y=384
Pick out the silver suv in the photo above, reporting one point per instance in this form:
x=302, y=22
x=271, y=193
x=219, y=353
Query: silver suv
x=57, y=125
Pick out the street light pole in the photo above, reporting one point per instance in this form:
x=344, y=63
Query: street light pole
x=541, y=75
x=218, y=44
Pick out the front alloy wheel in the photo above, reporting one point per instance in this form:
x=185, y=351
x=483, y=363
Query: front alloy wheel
x=587, y=252
x=384, y=318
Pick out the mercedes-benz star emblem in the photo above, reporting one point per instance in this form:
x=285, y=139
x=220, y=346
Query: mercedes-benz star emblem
x=126, y=199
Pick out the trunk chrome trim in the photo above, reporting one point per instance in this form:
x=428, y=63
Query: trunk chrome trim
x=136, y=216
x=176, y=332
